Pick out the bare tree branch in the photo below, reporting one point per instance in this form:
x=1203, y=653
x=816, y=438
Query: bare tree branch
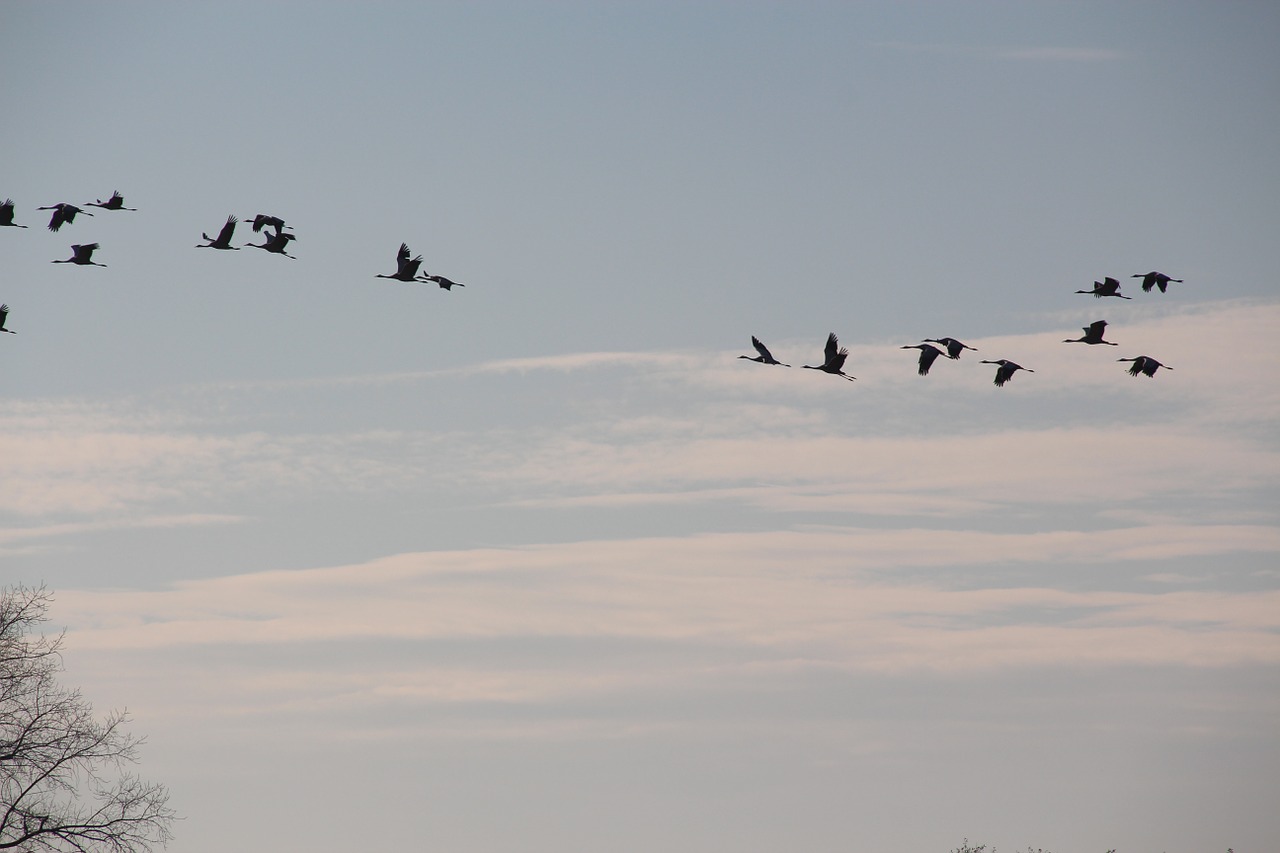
x=64, y=782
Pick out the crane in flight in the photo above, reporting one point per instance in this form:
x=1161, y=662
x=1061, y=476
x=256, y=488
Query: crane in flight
x=1092, y=334
x=954, y=347
x=406, y=267
x=275, y=244
x=765, y=357
x=273, y=221
x=82, y=255
x=1154, y=279
x=1107, y=287
x=223, y=240
x=1005, y=370
x=834, y=356
x=442, y=281
x=116, y=202
x=6, y=215
x=62, y=213
x=928, y=355
x=1145, y=365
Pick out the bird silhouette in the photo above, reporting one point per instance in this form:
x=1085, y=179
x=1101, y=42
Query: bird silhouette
x=928, y=355
x=263, y=219
x=834, y=356
x=4, y=315
x=6, y=215
x=1154, y=279
x=1107, y=287
x=765, y=357
x=1144, y=364
x=116, y=202
x=275, y=244
x=62, y=213
x=223, y=240
x=1092, y=334
x=406, y=268
x=1005, y=370
x=954, y=347
x=82, y=255
x=442, y=281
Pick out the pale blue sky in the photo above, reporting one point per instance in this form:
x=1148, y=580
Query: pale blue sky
x=539, y=564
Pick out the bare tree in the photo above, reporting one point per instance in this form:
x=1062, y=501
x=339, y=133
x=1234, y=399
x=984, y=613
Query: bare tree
x=64, y=779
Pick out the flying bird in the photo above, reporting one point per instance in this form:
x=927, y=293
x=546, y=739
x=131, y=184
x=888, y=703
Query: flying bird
x=765, y=357
x=4, y=315
x=275, y=244
x=954, y=347
x=442, y=281
x=6, y=215
x=1005, y=370
x=116, y=202
x=1144, y=364
x=1092, y=334
x=834, y=359
x=406, y=267
x=263, y=219
x=223, y=240
x=1107, y=287
x=82, y=255
x=1155, y=279
x=928, y=354
x=62, y=213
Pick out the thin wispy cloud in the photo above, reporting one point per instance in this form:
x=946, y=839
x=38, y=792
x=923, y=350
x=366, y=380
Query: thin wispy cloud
x=827, y=597
x=1036, y=53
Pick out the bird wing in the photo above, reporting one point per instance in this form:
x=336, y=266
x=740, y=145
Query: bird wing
x=228, y=228
x=403, y=254
x=4, y=314
x=761, y=348
x=928, y=354
x=1097, y=327
x=832, y=346
x=836, y=362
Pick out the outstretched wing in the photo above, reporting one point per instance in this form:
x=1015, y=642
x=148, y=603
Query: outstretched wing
x=928, y=355
x=224, y=236
x=831, y=349
x=762, y=349
x=1097, y=327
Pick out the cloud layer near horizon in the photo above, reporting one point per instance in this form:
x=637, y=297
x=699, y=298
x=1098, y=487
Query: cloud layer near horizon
x=894, y=526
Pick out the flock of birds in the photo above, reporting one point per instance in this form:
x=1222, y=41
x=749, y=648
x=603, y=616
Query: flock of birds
x=277, y=236
x=834, y=355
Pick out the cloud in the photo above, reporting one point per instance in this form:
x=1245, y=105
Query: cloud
x=750, y=587
x=558, y=625
x=1061, y=54
x=704, y=429
x=1038, y=53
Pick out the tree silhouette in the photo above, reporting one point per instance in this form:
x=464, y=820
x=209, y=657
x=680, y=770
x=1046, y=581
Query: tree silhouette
x=64, y=782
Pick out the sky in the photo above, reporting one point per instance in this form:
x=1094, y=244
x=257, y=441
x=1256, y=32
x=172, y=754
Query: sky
x=539, y=564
